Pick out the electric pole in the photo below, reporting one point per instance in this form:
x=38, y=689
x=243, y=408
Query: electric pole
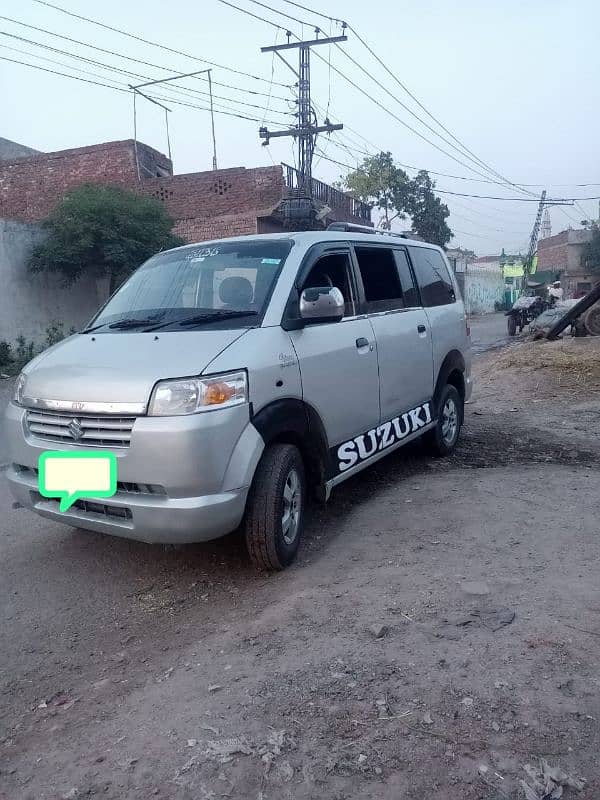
x=308, y=128
x=528, y=263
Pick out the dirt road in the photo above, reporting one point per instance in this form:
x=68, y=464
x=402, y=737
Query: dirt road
x=439, y=632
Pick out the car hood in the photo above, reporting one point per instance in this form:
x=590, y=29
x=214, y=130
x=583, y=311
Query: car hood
x=121, y=367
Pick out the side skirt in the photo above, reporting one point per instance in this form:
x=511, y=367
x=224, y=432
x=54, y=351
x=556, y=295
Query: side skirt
x=329, y=485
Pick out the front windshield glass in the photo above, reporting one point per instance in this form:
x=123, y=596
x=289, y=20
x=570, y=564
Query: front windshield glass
x=220, y=285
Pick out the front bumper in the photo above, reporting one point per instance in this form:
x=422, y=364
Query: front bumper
x=182, y=479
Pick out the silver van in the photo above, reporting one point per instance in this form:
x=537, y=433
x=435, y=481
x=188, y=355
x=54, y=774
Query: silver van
x=234, y=378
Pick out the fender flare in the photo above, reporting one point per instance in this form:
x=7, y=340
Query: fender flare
x=295, y=420
x=453, y=362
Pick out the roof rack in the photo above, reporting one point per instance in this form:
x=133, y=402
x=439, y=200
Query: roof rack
x=350, y=227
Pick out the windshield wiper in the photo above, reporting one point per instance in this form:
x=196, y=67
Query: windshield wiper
x=217, y=314
x=93, y=328
x=132, y=323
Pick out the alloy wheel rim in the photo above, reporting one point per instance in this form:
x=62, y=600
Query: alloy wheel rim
x=449, y=422
x=292, y=507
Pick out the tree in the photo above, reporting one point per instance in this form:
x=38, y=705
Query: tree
x=428, y=212
x=590, y=258
x=382, y=185
x=386, y=187
x=102, y=229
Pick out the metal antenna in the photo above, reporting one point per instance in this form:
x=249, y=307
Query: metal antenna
x=136, y=91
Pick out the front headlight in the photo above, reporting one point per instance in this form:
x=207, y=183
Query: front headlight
x=190, y=395
x=19, y=391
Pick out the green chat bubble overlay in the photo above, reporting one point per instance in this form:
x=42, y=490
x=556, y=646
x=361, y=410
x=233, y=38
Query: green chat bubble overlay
x=70, y=494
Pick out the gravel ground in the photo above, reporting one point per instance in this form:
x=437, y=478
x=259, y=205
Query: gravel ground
x=439, y=633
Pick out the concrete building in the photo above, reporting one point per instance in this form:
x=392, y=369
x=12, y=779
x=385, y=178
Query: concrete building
x=562, y=254
x=480, y=279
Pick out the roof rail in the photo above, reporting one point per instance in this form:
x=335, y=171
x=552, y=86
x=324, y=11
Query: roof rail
x=350, y=227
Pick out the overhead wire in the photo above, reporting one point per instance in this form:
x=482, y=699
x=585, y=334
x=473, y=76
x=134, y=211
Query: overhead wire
x=170, y=70
x=366, y=94
x=462, y=148
x=149, y=41
x=111, y=52
x=129, y=91
x=551, y=201
x=176, y=88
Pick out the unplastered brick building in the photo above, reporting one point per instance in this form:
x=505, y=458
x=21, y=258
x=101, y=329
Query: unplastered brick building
x=562, y=254
x=204, y=205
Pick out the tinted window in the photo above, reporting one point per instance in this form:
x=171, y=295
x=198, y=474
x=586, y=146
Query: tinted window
x=333, y=270
x=409, y=290
x=383, y=290
x=432, y=276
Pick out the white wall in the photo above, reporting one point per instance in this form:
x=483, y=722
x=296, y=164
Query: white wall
x=30, y=303
x=483, y=288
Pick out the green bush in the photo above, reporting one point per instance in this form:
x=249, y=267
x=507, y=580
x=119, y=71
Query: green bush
x=5, y=355
x=13, y=357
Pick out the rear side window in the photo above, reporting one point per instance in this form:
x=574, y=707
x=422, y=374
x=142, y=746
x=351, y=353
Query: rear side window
x=433, y=277
x=409, y=290
x=381, y=281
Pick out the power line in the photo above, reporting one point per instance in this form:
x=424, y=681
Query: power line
x=149, y=41
x=366, y=94
x=117, y=54
x=174, y=87
x=464, y=150
x=128, y=91
x=312, y=11
x=557, y=201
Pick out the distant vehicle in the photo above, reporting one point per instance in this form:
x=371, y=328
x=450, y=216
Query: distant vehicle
x=231, y=377
x=525, y=309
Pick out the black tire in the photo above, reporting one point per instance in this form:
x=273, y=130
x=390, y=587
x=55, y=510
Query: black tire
x=271, y=547
x=512, y=326
x=450, y=419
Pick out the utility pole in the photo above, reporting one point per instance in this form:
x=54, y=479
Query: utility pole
x=528, y=263
x=307, y=129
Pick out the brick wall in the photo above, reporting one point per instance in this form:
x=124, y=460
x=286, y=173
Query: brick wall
x=209, y=205
x=552, y=252
x=204, y=205
x=31, y=187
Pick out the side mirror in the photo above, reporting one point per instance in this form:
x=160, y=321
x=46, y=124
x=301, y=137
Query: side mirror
x=321, y=304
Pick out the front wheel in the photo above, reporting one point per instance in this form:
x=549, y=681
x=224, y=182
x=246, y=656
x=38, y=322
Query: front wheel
x=275, y=511
x=512, y=326
x=442, y=439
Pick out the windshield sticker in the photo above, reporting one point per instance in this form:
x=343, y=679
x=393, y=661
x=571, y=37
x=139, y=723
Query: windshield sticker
x=202, y=253
x=273, y=261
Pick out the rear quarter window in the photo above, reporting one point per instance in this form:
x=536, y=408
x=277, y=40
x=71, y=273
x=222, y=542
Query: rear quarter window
x=432, y=276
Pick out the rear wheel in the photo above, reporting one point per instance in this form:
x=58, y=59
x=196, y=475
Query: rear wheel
x=512, y=326
x=442, y=439
x=275, y=512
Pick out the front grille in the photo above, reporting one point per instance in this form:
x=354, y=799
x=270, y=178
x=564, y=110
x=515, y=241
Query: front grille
x=122, y=486
x=80, y=429
x=91, y=507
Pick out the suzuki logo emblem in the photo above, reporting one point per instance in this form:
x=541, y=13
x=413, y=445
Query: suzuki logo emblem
x=75, y=429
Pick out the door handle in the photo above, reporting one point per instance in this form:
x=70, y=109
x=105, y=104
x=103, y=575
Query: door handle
x=362, y=342
x=421, y=329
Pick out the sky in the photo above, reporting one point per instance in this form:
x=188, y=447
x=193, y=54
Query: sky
x=515, y=82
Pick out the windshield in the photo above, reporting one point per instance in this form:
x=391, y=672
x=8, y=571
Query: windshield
x=220, y=285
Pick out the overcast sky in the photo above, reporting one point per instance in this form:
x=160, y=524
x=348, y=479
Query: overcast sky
x=515, y=82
